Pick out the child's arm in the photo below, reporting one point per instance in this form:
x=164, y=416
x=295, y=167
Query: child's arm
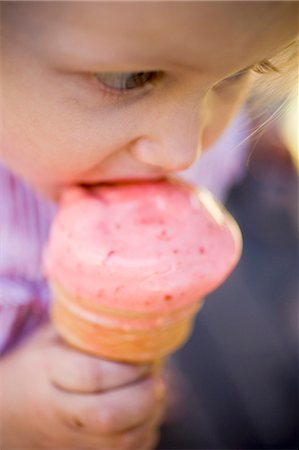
x=55, y=397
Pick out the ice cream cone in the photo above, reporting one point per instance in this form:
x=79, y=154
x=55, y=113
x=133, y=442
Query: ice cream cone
x=129, y=265
x=120, y=335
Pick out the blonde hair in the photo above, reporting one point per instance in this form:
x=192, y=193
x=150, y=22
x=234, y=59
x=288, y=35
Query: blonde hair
x=274, y=93
x=274, y=80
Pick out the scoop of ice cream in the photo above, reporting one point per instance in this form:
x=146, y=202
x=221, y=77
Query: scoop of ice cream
x=151, y=246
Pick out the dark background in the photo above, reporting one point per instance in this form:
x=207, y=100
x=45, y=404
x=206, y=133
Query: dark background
x=235, y=381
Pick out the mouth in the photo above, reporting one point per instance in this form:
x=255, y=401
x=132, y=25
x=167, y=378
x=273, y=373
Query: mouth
x=98, y=182
x=122, y=181
x=115, y=182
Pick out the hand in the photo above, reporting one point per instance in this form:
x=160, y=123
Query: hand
x=54, y=397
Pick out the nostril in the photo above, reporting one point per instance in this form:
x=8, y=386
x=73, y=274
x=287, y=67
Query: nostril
x=172, y=158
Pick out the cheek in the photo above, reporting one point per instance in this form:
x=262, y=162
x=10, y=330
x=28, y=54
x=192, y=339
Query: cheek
x=221, y=106
x=46, y=144
x=47, y=139
x=32, y=152
x=47, y=164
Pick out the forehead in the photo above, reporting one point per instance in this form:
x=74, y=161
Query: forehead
x=185, y=33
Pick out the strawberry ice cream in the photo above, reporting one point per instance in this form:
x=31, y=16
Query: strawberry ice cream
x=129, y=265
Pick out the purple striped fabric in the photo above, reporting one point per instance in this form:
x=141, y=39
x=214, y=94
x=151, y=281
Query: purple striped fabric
x=24, y=226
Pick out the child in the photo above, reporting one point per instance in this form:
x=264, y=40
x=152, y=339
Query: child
x=96, y=92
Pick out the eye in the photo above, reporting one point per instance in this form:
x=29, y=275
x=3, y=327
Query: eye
x=127, y=81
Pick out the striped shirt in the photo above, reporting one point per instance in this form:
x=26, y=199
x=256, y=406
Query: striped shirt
x=24, y=296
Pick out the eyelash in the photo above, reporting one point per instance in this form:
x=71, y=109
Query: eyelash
x=265, y=67
x=262, y=68
x=120, y=93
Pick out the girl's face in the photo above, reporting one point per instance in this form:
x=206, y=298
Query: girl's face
x=95, y=92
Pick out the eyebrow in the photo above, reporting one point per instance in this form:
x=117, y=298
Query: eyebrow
x=93, y=62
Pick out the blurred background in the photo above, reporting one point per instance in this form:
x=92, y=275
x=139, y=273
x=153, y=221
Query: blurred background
x=234, y=384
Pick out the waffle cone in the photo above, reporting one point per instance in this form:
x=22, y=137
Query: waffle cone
x=120, y=335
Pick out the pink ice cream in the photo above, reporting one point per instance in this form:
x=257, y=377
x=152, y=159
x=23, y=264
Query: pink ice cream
x=145, y=247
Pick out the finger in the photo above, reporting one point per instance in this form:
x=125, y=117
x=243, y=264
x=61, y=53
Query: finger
x=150, y=442
x=111, y=412
x=143, y=437
x=74, y=371
x=45, y=334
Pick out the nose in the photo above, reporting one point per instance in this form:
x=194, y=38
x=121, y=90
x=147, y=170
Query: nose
x=171, y=140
